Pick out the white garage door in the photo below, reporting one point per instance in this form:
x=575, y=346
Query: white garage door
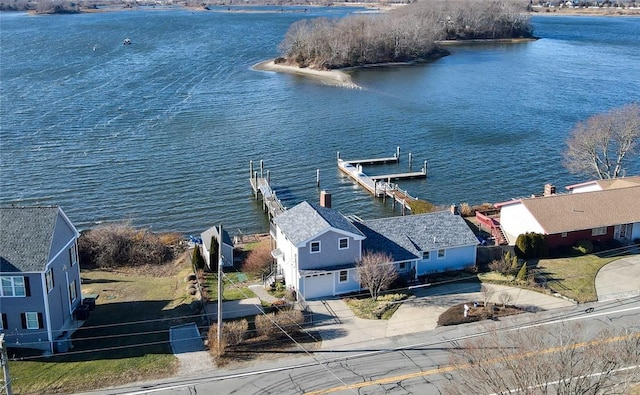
x=318, y=285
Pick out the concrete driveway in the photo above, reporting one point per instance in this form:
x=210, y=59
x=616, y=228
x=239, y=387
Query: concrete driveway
x=341, y=329
x=619, y=279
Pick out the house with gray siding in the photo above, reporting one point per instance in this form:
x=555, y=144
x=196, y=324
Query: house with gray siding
x=317, y=248
x=39, y=276
x=422, y=244
x=227, y=247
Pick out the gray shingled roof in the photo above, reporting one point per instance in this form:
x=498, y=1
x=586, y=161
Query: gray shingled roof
x=26, y=235
x=405, y=237
x=213, y=231
x=305, y=221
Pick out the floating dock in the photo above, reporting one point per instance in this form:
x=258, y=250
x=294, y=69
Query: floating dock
x=261, y=187
x=380, y=186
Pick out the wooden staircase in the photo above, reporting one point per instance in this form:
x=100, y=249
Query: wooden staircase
x=492, y=226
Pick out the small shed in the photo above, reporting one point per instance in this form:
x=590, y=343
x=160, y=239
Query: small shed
x=227, y=247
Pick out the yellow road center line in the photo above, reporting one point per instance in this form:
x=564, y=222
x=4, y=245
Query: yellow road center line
x=450, y=368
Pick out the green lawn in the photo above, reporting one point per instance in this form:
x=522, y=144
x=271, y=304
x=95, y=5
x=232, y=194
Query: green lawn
x=105, y=352
x=573, y=277
x=236, y=286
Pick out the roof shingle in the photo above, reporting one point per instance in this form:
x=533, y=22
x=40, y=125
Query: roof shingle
x=26, y=235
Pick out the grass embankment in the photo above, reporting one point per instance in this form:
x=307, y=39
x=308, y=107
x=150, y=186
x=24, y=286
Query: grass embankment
x=124, y=340
x=573, y=277
x=235, y=286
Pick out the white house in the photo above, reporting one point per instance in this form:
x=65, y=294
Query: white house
x=589, y=213
x=317, y=248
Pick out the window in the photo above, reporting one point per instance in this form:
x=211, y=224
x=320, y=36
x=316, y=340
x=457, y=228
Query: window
x=441, y=253
x=343, y=243
x=73, y=254
x=315, y=247
x=31, y=321
x=344, y=276
x=402, y=265
x=564, y=234
x=72, y=291
x=599, y=231
x=48, y=275
x=14, y=286
x=425, y=255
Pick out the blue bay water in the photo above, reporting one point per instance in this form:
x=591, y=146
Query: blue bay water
x=161, y=132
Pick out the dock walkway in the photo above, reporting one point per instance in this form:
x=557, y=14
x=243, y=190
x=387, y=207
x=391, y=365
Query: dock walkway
x=376, y=185
x=262, y=187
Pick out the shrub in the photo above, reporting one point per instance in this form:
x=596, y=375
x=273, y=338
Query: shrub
x=269, y=325
x=522, y=273
x=196, y=258
x=531, y=245
x=500, y=266
x=259, y=259
x=584, y=247
x=234, y=332
x=116, y=245
x=214, y=253
x=217, y=350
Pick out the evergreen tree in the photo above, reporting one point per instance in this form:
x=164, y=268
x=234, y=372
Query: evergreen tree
x=522, y=273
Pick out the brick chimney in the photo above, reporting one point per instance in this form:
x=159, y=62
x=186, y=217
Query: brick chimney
x=549, y=190
x=325, y=199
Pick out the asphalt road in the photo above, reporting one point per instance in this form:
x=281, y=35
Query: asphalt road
x=417, y=363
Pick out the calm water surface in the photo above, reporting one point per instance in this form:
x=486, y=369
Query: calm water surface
x=161, y=132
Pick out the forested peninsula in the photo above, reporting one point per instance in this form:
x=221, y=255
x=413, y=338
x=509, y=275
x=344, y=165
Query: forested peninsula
x=410, y=33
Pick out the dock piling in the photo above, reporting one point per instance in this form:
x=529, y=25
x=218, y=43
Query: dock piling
x=424, y=169
x=409, y=161
x=261, y=168
x=318, y=178
x=398, y=152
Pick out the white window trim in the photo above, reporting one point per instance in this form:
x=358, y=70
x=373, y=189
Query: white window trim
x=73, y=292
x=340, y=280
x=601, y=231
x=14, y=287
x=73, y=253
x=428, y=258
x=30, y=320
x=48, y=275
x=311, y=251
x=343, y=238
x=444, y=253
x=402, y=265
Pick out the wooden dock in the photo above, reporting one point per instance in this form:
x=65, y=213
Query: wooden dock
x=261, y=187
x=381, y=186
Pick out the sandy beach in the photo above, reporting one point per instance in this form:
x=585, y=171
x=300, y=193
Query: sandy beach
x=332, y=77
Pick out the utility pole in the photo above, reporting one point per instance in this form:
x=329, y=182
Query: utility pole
x=220, y=285
x=5, y=366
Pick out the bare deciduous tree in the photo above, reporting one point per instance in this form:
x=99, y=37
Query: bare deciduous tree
x=541, y=361
x=404, y=34
x=376, y=272
x=602, y=144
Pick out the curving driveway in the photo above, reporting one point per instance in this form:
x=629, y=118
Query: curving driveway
x=340, y=328
x=619, y=279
